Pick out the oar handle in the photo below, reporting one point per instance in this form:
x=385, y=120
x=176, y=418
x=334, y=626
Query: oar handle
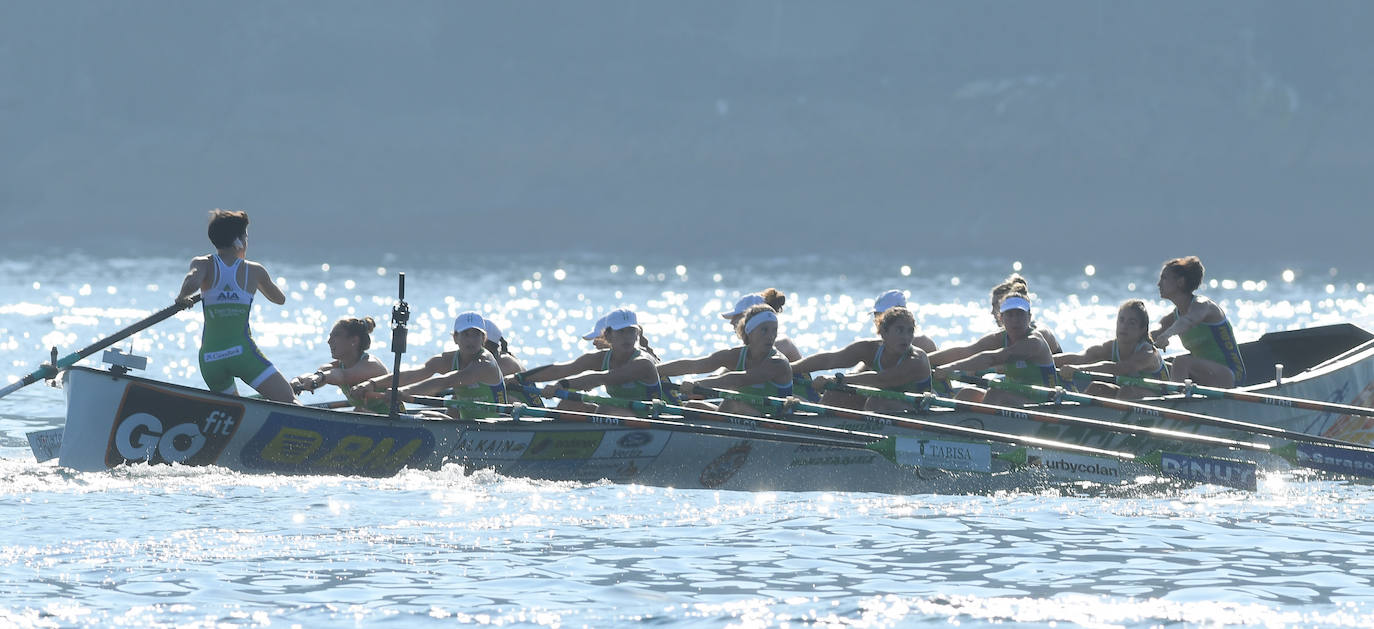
x=1191, y=388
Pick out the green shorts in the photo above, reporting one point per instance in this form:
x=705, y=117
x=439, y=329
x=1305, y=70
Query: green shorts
x=219, y=367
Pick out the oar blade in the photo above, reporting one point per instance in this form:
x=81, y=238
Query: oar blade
x=959, y=456
x=1336, y=460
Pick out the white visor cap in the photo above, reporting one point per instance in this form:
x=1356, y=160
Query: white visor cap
x=743, y=304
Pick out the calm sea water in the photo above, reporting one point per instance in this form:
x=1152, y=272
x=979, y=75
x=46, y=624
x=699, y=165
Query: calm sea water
x=164, y=546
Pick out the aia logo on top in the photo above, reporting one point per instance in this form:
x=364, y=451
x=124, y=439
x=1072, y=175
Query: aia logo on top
x=161, y=427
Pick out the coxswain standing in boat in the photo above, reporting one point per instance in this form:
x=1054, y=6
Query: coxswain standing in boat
x=470, y=371
x=1131, y=353
x=1021, y=353
x=227, y=281
x=628, y=368
x=1214, y=358
x=348, y=343
x=889, y=362
x=775, y=299
x=1017, y=284
x=757, y=367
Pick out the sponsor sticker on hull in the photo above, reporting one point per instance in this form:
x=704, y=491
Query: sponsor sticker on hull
x=948, y=455
x=294, y=444
x=1338, y=460
x=158, y=426
x=570, y=444
x=1238, y=474
x=1074, y=466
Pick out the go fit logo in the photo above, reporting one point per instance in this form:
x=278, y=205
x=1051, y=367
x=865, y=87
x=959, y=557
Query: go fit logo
x=160, y=427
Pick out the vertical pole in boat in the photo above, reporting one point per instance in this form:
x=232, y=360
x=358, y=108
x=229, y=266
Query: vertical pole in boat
x=400, y=315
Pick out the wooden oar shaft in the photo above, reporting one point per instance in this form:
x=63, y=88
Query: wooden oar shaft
x=1168, y=413
x=1239, y=396
x=50, y=370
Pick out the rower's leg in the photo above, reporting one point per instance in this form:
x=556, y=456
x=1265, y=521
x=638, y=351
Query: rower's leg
x=970, y=394
x=1202, y=371
x=276, y=388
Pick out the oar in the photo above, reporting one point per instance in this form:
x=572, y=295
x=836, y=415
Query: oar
x=654, y=408
x=1232, y=394
x=50, y=370
x=1239, y=474
x=516, y=411
x=1302, y=449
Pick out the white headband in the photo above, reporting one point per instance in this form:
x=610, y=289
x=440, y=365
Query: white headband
x=759, y=319
x=1016, y=303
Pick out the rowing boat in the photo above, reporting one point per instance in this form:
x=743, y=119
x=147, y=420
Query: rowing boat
x=117, y=419
x=114, y=419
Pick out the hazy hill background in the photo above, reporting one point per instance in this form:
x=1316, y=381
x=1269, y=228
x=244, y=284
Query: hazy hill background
x=1070, y=131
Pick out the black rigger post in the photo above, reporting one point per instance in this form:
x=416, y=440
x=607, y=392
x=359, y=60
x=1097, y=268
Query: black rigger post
x=400, y=315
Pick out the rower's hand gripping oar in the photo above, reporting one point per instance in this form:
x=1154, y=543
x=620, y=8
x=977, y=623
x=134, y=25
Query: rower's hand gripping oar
x=400, y=316
x=51, y=369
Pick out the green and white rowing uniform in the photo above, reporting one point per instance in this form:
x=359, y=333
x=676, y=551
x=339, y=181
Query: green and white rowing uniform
x=1215, y=342
x=634, y=389
x=227, y=350
x=495, y=393
x=915, y=386
x=769, y=389
x=1024, y=372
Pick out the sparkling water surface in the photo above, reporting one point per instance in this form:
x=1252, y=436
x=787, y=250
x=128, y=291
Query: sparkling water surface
x=164, y=546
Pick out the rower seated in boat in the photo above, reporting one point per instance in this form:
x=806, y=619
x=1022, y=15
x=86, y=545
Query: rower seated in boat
x=775, y=299
x=470, y=371
x=351, y=364
x=1213, y=357
x=889, y=362
x=756, y=368
x=227, y=281
x=892, y=299
x=1017, y=284
x=628, y=369
x=1129, y=354
x=1016, y=349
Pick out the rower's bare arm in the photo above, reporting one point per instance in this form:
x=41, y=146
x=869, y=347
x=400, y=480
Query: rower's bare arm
x=771, y=370
x=1200, y=312
x=706, y=364
x=956, y=354
x=1164, y=323
x=843, y=358
x=980, y=361
x=788, y=348
x=266, y=286
x=1101, y=351
x=195, y=278
x=914, y=369
x=925, y=344
x=478, y=372
x=559, y=371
